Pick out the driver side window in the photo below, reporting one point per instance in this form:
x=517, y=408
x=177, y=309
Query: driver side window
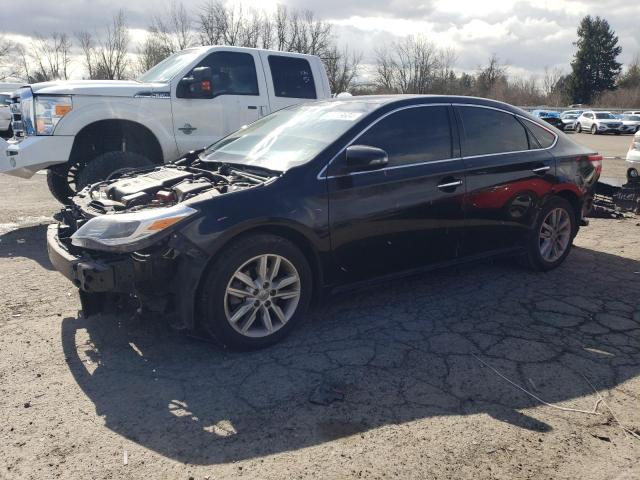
x=233, y=73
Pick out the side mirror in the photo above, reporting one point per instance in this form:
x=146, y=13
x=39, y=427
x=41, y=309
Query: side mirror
x=198, y=85
x=363, y=157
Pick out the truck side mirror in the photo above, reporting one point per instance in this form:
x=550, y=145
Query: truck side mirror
x=198, y=85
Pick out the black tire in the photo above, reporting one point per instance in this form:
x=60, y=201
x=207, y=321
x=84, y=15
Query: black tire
x=219, y=274
x=533, y=257
x=578, y=128
x=617, y=133
x=101, y=167
x=594, y=129
x=58, y=184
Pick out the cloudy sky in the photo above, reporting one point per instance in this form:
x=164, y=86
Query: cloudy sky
x=529, y=35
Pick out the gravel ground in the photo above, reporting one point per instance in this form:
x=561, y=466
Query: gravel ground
x=414, y=369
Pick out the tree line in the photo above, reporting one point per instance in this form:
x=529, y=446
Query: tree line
x=409, y=65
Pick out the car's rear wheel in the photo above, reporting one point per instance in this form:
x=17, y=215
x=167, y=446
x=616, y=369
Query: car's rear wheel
x=255, y=293
x=552, y=237
x=594, y=130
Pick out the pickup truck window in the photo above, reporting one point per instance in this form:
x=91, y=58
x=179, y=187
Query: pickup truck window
x=170, y=66
x=292, y=77
x=233, y=73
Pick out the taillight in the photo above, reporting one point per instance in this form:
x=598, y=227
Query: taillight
x=597, y=162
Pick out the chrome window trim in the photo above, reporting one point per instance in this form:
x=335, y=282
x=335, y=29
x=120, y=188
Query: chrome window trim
x=365, y=130
x=324, y=169
x=517, y=115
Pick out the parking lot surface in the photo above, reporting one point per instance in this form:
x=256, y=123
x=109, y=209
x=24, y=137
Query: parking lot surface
x=406, y=380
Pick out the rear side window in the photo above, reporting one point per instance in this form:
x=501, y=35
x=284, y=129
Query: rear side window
x=412, y=135
x=544, y=137
x=292, y=77
x=487, y=131
x=233, y=73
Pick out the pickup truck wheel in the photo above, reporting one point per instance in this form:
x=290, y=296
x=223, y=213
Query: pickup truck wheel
x=104, y=165
x=552, y=236
x=58, y=183
x=255, y=293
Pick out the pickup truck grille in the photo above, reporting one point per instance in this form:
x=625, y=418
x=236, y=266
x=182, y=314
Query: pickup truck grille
x=16, y=122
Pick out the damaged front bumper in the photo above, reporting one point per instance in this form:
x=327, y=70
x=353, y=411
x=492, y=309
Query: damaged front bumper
x=162, y=282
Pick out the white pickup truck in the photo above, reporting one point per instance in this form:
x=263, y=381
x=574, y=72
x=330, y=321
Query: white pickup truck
x=82, y=131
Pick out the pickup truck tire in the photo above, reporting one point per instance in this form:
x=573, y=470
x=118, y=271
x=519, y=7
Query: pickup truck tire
x=58, y=183
x=104, y=165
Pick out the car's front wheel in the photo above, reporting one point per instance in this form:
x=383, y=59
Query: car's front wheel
x=594, y=130
x=578, y=128
x=256, y=291
x=552, y=236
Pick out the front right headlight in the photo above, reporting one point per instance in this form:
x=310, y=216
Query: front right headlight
x=128, y=232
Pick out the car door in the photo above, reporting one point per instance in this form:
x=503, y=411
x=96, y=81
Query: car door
x=508, y=171
x=239, y=97
x=409, y=213
x=291, y=79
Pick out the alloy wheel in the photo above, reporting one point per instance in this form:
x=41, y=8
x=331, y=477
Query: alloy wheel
x=555, y=235
x=262, y=295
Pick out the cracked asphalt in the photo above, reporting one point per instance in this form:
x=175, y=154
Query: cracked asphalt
x=418, y=370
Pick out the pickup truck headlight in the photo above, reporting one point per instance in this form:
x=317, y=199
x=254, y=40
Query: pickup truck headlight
x=128, y=232
x=49, y=110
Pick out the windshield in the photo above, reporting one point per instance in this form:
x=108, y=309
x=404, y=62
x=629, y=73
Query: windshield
x=170, y=66
x=571, y=116
x=605, y=116
x=289, y=137
x=633, y=118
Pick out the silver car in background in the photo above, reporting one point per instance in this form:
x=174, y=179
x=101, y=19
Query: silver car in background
x=601, y=122
x=632, y=121
x=569, y=119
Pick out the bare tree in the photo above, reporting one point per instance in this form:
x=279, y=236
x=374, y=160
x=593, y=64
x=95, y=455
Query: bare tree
x=49, y=58
x=9, y=67
x=408, y=66
x=342, y=68
x=168, y=33
x=491, y=77
x=173, y=28
x=106, y=58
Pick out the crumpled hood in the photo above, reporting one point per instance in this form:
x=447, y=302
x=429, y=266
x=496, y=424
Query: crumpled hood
x=111, y=88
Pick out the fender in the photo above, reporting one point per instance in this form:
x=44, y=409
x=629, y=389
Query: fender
x=157, y=119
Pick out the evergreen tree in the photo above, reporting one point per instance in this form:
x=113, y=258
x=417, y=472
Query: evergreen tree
x=595, y=68
x=631, y=77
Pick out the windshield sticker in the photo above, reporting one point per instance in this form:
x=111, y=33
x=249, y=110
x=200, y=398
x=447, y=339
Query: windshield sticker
x=345, y=116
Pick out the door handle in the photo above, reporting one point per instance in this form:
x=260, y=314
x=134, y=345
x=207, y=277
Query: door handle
x=452, y=184
x=541, y=169
x=252, y=107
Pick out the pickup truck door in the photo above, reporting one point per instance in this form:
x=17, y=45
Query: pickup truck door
x=292, y=79
x=239, y=98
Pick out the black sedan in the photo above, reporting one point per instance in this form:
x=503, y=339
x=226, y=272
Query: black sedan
x=240, y=238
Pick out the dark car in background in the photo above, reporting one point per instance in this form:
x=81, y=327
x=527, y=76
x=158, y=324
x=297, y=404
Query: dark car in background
x=550, y=117
x=240, y=238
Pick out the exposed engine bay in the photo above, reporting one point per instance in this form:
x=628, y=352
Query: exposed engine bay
x=165, y=186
